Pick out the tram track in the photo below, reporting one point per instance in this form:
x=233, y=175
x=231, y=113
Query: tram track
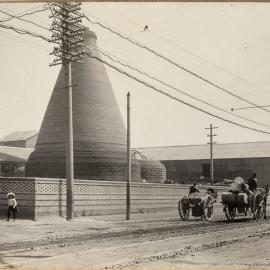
x=178, y=252
x=138, y=252
x=171, y=228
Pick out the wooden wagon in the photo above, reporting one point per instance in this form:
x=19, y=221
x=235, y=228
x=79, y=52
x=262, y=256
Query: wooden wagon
x=235, y=201
x=199, y=206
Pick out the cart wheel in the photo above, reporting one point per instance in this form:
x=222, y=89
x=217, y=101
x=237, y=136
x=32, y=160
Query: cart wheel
x=258, y=212
x=183, y=211
x=264, y=207
x=230, y=212
x=208, y=212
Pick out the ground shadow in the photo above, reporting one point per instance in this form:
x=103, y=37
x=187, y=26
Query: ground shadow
x=26, y=256
x=236, y=220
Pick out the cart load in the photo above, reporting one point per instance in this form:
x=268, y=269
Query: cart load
x=234, y=198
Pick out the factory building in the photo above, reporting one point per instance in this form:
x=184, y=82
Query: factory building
x=22, y=139
x=188, y=163
x=12, y=160
x=15, y=149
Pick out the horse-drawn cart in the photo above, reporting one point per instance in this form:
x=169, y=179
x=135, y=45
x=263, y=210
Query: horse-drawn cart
x=253, y=204
x=198, y=206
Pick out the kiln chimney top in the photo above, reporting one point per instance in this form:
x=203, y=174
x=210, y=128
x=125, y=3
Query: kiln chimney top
x=89, y=34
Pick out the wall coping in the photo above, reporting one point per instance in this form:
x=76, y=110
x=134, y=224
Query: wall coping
x=37, y=180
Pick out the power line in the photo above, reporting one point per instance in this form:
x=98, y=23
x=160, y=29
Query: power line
x=106, y=54
x=24, y=32
x=24, y=20
x=250, y=107
x=171, y=61
x=191, y=53
x=14, y=37
x=24, y=14
x=173, y=97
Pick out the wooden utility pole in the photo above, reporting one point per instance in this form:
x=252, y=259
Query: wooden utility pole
x=69, y=150
x=67, y=34
x=128, y=199
x=211, y=135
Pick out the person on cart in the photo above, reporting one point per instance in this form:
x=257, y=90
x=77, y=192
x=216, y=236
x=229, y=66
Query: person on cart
x=194, y=189
x=210, y=191
x=252, y=187
x=252, y=183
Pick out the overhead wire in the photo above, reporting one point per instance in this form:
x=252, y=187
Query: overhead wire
x=24, y=20
x=30, y=43
x=191, y=53
x=24, y=32
x=170, y=61
x=171, y=96
x=51, y=10
x=24, y=14
x=117, y=60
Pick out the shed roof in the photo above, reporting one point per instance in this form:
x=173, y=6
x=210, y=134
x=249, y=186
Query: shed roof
x=19, y=135
x=220, y=151
x=15, y=154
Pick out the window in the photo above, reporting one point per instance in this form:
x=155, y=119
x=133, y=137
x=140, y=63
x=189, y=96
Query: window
x=4, y=168
x=206, y=170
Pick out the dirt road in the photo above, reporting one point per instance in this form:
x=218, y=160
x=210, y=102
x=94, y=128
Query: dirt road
x=249, y=253
x=150, y=243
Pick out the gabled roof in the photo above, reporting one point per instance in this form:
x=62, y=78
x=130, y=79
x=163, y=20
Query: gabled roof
x=220, y=151
x=19, y=135
x=14, y=153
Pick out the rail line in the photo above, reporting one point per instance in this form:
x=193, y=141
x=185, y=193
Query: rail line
x=262, y=227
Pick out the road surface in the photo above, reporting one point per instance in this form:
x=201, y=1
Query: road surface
x=160, y=243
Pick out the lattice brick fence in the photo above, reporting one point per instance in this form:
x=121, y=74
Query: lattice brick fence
x=39, y=197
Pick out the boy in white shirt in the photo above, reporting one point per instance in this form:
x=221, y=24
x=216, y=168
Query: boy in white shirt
x=12, y=205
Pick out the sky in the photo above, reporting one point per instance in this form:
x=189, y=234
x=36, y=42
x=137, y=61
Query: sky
x=226, y=43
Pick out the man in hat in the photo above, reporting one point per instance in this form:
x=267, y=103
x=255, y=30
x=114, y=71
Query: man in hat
x=252, y=183
x=12, y=205
x=193, y=189
x=252, y=186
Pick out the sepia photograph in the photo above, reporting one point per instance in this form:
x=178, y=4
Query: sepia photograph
x=134, y=135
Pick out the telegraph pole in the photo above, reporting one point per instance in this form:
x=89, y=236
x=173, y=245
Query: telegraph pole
x=67, y=34
x=211, y=135
x=128, y=199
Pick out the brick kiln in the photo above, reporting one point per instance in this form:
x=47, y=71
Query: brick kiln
x=99, y=131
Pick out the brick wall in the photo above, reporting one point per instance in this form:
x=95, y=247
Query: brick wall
x=24, y=188
x=39, y=197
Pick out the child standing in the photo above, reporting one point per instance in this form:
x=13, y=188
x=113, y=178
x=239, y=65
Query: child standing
x=12, y=205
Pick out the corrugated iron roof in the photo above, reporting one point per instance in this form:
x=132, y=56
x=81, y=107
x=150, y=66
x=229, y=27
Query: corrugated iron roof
x=220, y=151
x=20, y=135
x=14, y=153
